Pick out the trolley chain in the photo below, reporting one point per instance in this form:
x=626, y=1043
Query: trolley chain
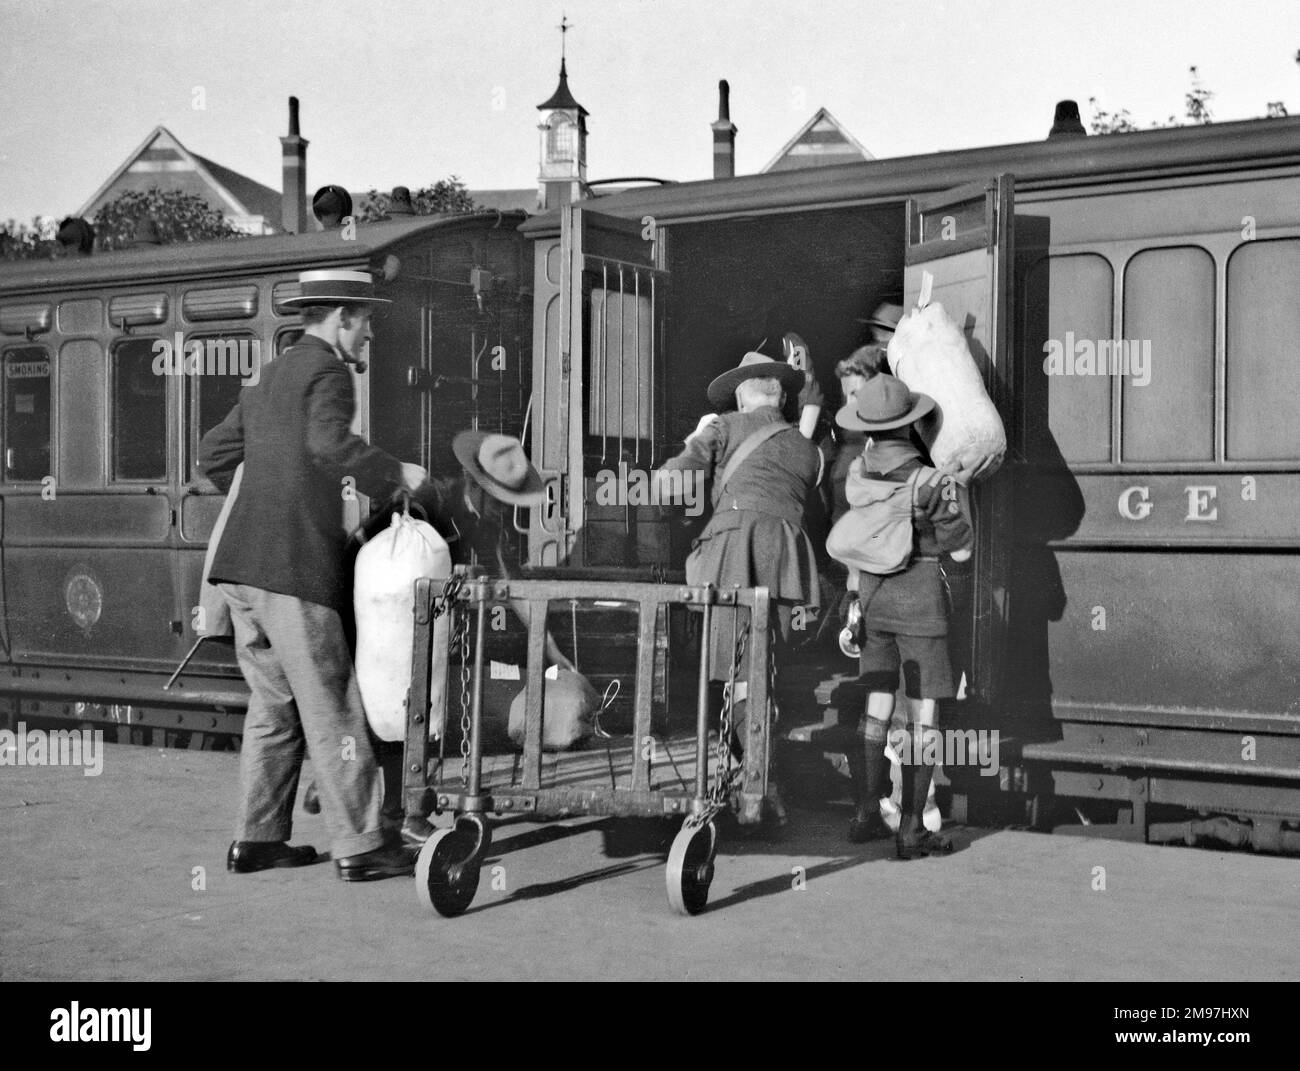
x=448, y=602
x=444, y=603
x=464, y=695
x=727, y=767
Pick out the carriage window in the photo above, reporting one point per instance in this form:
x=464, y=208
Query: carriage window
x=27, y=413
x=139, y=413
x=1263, y=384
x=228, y=362
x=1168, y=349
x=1068, y=307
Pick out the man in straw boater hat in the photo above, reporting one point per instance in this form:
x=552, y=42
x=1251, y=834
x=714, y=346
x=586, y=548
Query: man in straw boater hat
x=763, y=469
x=280, y=566
x=904, y=621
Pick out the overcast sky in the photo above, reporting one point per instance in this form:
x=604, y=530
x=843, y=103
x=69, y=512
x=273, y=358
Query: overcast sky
x=409, y=91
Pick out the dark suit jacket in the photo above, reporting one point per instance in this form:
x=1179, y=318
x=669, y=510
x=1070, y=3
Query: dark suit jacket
x=292, y=431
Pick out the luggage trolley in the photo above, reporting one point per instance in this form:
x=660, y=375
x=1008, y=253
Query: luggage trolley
x=447, y=873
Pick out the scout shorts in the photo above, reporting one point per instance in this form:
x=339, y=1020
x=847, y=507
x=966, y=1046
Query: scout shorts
x=927, y=671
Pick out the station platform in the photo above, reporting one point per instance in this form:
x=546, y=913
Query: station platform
x=122, y=876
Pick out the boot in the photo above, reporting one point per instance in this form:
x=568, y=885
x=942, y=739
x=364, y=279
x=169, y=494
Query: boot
x=867, y=771
x=914, y=840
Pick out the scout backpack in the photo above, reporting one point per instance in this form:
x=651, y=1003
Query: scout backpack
x=875, y=535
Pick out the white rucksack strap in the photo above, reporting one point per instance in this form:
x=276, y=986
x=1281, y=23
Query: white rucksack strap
x=923, y=477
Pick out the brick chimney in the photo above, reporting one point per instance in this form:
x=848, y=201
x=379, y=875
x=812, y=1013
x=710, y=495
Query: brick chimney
x=724, y=135
x=293, y=199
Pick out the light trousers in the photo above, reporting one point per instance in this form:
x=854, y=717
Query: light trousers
x=295, y=658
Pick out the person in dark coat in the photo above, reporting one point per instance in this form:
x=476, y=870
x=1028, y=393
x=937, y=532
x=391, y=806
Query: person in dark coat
x=280, y=566
x=904, y=616
x=754, y=537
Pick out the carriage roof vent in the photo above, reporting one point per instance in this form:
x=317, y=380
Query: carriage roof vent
x=1066, y=123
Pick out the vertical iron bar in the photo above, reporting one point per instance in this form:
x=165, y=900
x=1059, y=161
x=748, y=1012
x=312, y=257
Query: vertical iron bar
x=535, y=694
x=757, y=709
x=636, y=312
x=702, y=704
x=647, y=617
x=603, y=336
x=622, y=403
x=654, y=335
x=476, y=727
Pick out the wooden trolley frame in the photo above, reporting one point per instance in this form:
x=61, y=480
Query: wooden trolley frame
x=448, y=870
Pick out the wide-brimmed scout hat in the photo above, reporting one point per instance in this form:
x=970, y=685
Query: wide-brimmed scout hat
x=887, y=315
x=335, y=286
x=882, y=403
x=722, y=391
x=499, y=465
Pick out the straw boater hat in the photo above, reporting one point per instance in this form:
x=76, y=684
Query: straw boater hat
x=722, y=391
x=883, y=402
x=333, y=286
x=498, y=465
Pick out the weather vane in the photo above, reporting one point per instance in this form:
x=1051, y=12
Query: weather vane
x=565, y=25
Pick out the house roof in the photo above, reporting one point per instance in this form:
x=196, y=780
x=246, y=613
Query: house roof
x=161, y=153
x=820, y=142
x=260, y=200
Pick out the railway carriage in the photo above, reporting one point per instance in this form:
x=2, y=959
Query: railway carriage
x=116, y=365
x=1128, y=623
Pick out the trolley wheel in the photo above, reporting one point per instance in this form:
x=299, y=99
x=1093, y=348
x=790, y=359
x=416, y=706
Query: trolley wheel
x=690, y=868
x=446, y=872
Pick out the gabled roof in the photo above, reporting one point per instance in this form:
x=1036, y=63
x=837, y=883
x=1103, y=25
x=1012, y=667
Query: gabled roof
x=819, y=142
x=260, y=200
x=162, y=153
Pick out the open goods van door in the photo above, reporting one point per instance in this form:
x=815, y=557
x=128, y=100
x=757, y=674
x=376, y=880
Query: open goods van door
x=959, y=252
x=597, y=389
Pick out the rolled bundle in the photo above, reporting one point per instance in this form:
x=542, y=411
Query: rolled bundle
x=571, y=702
x=965, y=435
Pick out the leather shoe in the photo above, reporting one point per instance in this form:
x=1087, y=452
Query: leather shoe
x=250, y=856
x=387, y=861
x=922, y=843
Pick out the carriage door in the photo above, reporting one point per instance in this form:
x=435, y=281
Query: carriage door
x=597, y=395
x=959, y=251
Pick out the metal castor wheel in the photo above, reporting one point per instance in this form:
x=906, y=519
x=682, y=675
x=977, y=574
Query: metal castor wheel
x=447, y=870
x=690, y=868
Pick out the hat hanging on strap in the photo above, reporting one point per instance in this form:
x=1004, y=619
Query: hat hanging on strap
x=499, y=465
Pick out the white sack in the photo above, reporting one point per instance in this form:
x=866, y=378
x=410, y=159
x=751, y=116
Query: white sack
x=383, y=597
x=567, y=713
x=929, y=353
